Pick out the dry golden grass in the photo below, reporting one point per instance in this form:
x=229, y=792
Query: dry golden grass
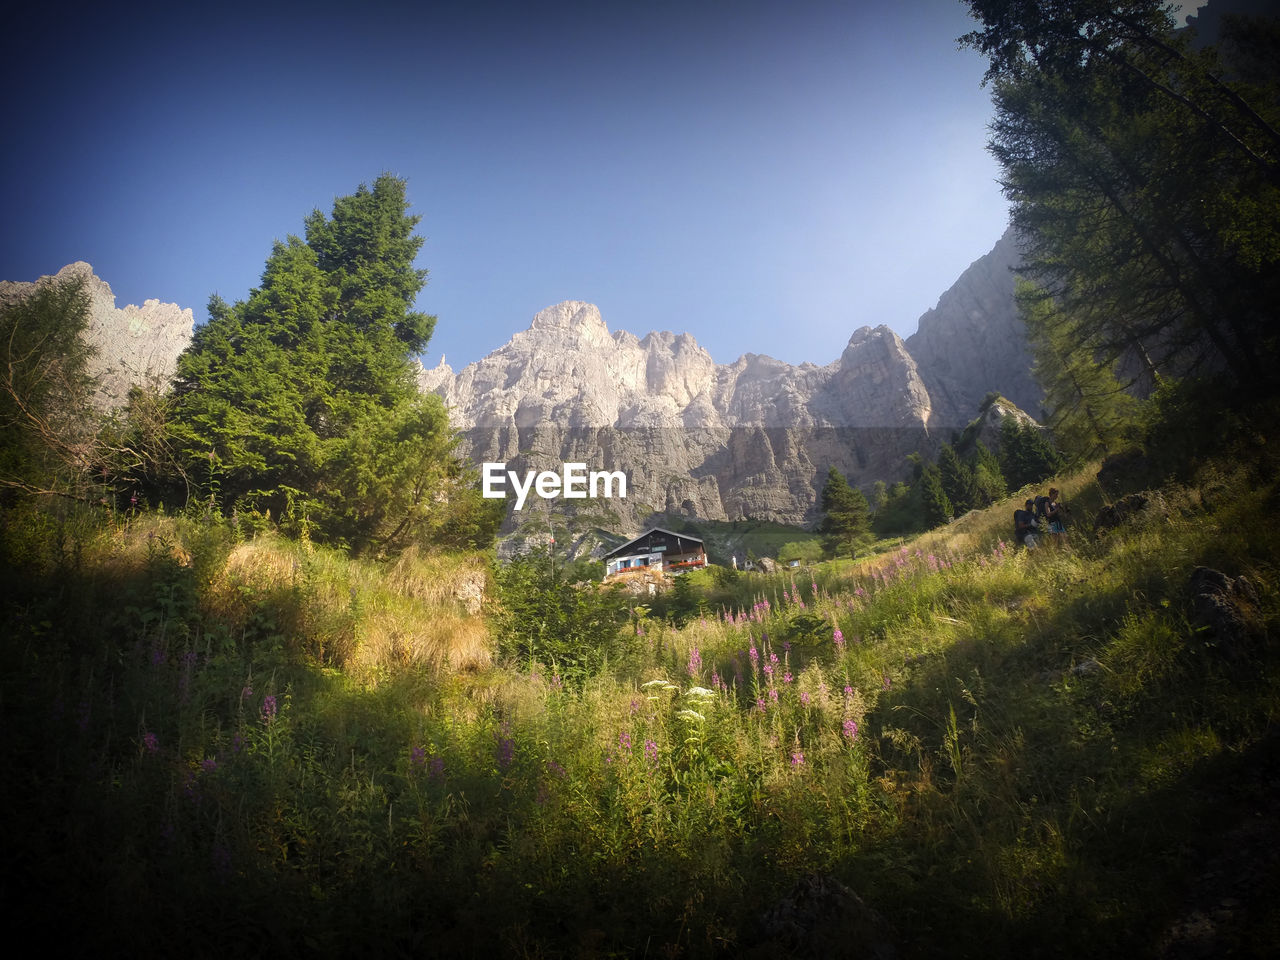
x=435, y=578
x=420, y=610
x=418, y=635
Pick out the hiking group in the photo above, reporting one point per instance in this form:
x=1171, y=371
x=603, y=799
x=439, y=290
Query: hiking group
x=1042, y=513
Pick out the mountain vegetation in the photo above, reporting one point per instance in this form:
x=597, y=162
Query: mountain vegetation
x=301, y=400
x=1144, y=174
x=973, y=750
x=302, y=708
x=846, y=523
x=45, y=439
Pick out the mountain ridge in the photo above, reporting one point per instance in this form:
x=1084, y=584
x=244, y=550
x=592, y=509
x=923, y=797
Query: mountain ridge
x=752, y=438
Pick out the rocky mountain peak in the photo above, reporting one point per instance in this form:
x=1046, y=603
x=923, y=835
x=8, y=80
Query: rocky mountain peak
x=752, y=438
x=695, y=437
x=573, y=317
x=133, y=345
x=974, y=340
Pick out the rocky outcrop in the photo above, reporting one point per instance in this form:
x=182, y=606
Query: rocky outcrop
x=986, y=428
x=753, y=438
x=974, y=341
x=131, y=345
x=1226, y=612
x=749, y=439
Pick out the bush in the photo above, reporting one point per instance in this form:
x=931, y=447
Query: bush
x=545, y=618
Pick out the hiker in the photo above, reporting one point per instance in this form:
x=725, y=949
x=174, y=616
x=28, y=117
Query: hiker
x=1024, y=525
x=1041, y=510
x=1055, y=513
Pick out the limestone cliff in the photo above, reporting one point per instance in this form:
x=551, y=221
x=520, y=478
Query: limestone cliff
x=131, y=345
x=974, y=342
x=752, y=438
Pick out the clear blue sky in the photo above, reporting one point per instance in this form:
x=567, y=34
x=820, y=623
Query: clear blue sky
x=767, y=176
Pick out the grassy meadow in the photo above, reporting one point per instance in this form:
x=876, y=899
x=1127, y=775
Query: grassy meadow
x=235, y=745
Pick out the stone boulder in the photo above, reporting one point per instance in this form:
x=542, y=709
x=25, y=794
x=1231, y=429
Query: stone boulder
x=1128, y=509
x=1226, y=612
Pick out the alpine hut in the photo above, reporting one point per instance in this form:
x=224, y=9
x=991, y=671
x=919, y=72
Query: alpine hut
x=669, y=551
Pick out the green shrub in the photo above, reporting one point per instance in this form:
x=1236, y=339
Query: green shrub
x=543, y=618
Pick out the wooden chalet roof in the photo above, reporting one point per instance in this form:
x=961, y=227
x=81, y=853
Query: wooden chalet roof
x=654, y=537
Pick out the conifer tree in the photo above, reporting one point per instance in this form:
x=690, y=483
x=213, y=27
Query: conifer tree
x=957, y=480
x=300, y=399
x=845, y=522
x=1144, y=175
x=1026, y=456
x=1089, y=410
x=937, y=507
x=987, y=476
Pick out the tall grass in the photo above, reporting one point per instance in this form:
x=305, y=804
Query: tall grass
x=266, y=747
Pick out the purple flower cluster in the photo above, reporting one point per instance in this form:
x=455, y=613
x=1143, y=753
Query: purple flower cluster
x=269, y=708
x=506, y=752
x=695, y=662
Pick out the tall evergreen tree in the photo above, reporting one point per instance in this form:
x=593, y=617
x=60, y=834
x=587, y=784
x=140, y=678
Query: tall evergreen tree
x=988, y=478
x=957, y=480
x=300, y=398
x=1026, y=456
x=845, y=524
x=937, y=507
x=1144, y=176
x=1089, y=409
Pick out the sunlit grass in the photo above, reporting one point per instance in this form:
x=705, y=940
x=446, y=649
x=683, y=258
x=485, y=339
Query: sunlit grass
x=980, y=740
